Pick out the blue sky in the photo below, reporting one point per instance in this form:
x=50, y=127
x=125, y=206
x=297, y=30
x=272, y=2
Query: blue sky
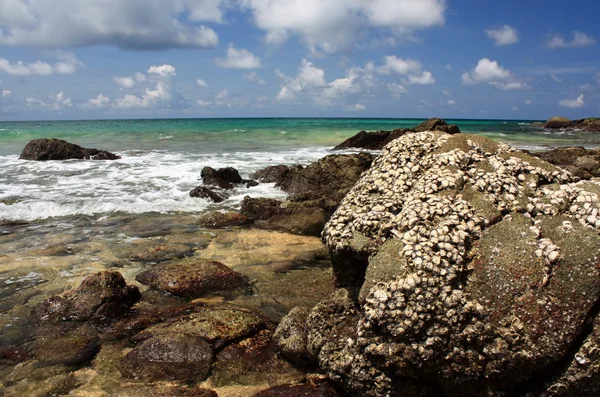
x=88, y=59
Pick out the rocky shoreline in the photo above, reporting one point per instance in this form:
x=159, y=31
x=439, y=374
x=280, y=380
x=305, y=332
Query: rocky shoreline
x=452, y=265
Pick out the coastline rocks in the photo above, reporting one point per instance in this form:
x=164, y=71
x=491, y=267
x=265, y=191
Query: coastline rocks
x=56, y=149
x=378, y=139
x=222, y=220
x=557, y=122
x=586, y=125
x=581, y=162
x=291, y=336
x=468, y=267
x=314, y=388
x=204, y=192
x=102, y=295
x=271, y=174
x=192, y=278
x=223, y=177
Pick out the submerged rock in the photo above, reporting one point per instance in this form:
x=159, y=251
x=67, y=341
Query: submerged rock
x=204, y=192
x=192, y=277
x=222, y=220
x=586, y=125
x=56, y=149
x=468, y=267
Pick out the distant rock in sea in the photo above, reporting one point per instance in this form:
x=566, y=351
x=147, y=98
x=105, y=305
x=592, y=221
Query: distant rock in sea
x=586, y=125
x=581, y=162
x=56, y=149
x=376, y=140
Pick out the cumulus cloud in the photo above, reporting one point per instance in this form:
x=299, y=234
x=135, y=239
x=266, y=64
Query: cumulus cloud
x=490, y=72
x=162, y=70
x=573, y=103
x=504, y=35
x=329, y=25
x=68, y=64
x=99, y=102
x=528, y=102
x=238, y=59
x=396, y=89
x=125, y=82
x=138, y=24
x=34, y=102
x=253, y=77
x=579, y=40
x=451, y=102
x=60, y=101
x=556, y=78
x=355, y=108
x=309, y=76
x=158, y=94
x=201, y=83
x=410, y=68
x=447, y=92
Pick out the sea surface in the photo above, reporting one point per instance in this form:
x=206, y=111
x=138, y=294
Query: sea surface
x=162, y=159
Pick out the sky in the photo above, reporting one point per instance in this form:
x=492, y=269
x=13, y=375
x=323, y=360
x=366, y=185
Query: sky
x=98, y=59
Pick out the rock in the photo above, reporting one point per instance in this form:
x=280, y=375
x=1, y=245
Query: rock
x=291, y=336
x=70, y=344
x=582, y=162
x=250, y=183
x=271, y=174
x=557, y=122
x=204, y=192
x=587, y=125
x=442, y=295
x=164, y=391
x=102, y=295
x=315, y=388
x=223, y=177
x=175, y=356
x=56, y=149
x=192, y=278
x=378, y=139
x=222, y=220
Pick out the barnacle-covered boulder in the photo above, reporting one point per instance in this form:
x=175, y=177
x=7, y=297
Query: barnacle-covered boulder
x=464, y=267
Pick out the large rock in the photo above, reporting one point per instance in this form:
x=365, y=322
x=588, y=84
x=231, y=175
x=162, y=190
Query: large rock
x=271, y=174
x=223, y=177
x=557, y=122
x=313, y=388
x=468, y=267
x=192, y=277
x=221, y=220
x=586, y=125
x=56, y=149
x=204, y=192
x=583, y=163
x=102, y=295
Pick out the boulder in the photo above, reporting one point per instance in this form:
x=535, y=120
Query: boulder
x=71, y=344
x=271, y=174
x=204, y=192
x=436, y=125
x=291, y=336
x=56, y=149
x=102, y=295
x=465, y=267
x=587, y=125
x=316, y=387
x=192, y=278
x=164, y=391
x=223, y=177
x=557, y=122
x=222, y=220
x=583, y=163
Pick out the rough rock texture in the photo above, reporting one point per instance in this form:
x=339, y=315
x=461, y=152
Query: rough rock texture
x=192, y=277
x=470, y=269
x=581, y=162
x=223, y=177
x=585, y=125
x=314, y=388
x=102, y=295
x=204, y=192
x=378, y=139
x=271, y=174
x=56, y=149
x=222, y=220
x=291, y=336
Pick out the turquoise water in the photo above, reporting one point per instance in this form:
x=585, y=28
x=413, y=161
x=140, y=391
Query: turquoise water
x=162, y=159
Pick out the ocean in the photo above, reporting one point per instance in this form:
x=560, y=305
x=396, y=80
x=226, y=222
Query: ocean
x=162, y=159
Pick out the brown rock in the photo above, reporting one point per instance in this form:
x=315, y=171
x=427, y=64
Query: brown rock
x=375, y=140
x=222, y=220
x=271, y=174
x=204, y=192
x=56, y=149
x=557, y=122
x=223, y=177
x=315, y=388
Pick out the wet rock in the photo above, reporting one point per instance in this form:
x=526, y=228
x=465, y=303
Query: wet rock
x=32, y=380
x=102, y=295
x=582, y=162
x=56, y=149
x=252, y=361
x=222, y=220
x=314, y=388
x=250, y=183
x=474, y=272
x=176, y=356
x=291, y=336
x=192, y=277
x=558, y=122
x=260, y=208
x=149, y=251
x=271, y=174
x=586, y=125
x=204, y=192
x=69, y=344
x=165, y=391
x=223, y=177
x=436, y=124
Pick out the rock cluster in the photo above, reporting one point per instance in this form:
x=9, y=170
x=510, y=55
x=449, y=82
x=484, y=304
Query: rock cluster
x=467, y=267
x=581, y=162
x=585, y=125
x=56, y=149
x=222, y=179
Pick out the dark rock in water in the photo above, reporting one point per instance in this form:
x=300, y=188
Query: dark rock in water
x=221, y=220
x=252, y=361
x=250, y=183
x=70, y=344
x=582, y=162
x=271, y=174
x=557, y=122
x=315, y=388
x=223, y=177
x=585, y=125
x=378, y=139
x=291, y=336
x=177, y=356
x=291, y=217
x=448, y=298
x=204, y=192
x=56, y=149
x=192, y=277
x=164, y=391
x=102, y=295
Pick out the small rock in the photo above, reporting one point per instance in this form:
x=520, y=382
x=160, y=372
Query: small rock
x=204, y=192
x=315, y=388
x=223, y=177
x=291, y=336
x=222, y=220
x=56, y=149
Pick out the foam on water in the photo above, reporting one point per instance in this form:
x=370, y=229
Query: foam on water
x=142, y=181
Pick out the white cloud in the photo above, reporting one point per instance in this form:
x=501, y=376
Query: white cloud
x=515, y=109
x=137, y=24
x=396, y=89
x=556, y=78
x=160, y=95
x=60, y=101
x=100, y=101
x=504, y=35
x=223, y=94
x=573, y=103
x=33, y=102
x=125, y=82
x=6, y=93
x=410, y=68
x=238, y=59
x=528, y=102
x=253, y=77
x=585, y=88
x=163, y=70
x=309, y=76
x=447, y=92
x=286, y=94
x=490, y=72
x=140, y=77
x=328, y=25
x=201, y=83
x=579, y=40
x=451, y=102
x=355, y=108
x=68, y=64
x=203, y=103
x=448, y=67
